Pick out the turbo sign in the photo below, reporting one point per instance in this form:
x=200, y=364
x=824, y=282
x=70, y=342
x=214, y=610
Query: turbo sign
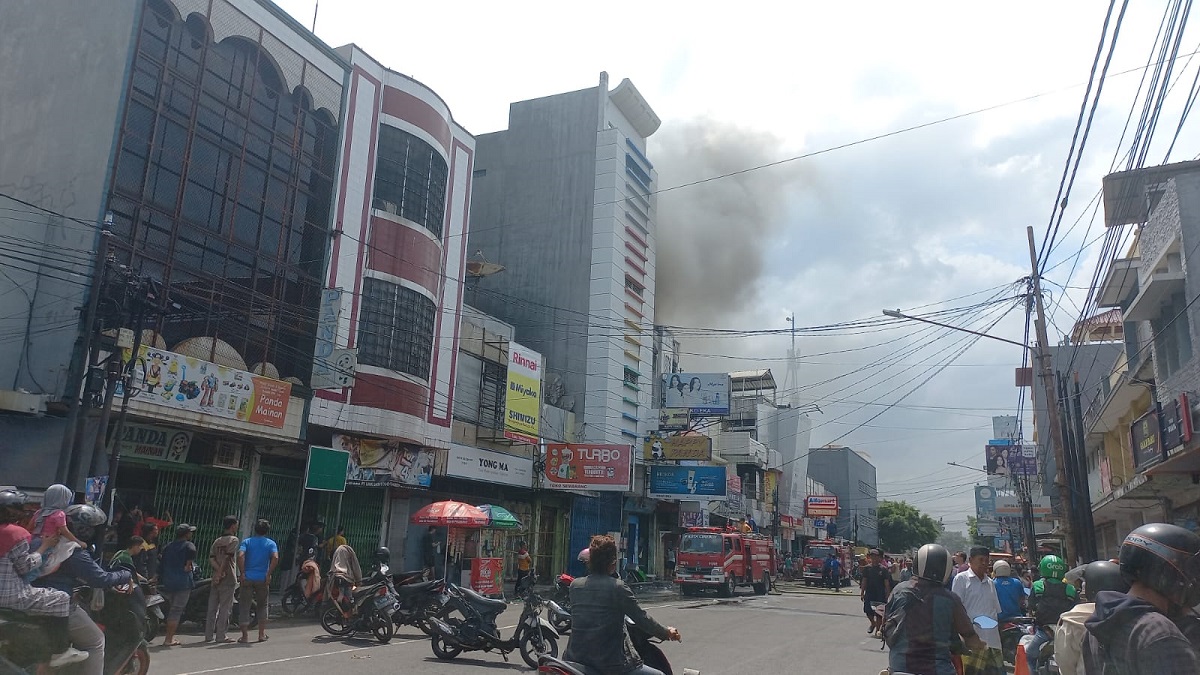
x=585, y=466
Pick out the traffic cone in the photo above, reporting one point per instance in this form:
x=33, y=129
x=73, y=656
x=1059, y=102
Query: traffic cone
x=1021, y=667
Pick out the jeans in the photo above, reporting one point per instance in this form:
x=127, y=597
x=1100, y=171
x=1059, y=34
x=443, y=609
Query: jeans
x=1034, y=647
x=86, y=636
x=220, y=606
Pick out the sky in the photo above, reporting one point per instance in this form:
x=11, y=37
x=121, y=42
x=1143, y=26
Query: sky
x=923, y=220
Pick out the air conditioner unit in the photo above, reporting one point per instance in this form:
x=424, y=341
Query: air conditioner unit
x=228, y=455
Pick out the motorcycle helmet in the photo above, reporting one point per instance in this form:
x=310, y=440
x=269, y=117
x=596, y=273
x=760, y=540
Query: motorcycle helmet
x=12, y=503
x=1002, y=568
x=383, y=556
x=585, y=555
x=1166, y=558
x=83, y=519
x=1103, y=575
x=933, y=563
x=1052, y=567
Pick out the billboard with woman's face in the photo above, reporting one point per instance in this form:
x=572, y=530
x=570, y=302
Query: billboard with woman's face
x=700, y=393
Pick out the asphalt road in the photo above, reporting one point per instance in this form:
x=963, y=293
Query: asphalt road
x=813, y=632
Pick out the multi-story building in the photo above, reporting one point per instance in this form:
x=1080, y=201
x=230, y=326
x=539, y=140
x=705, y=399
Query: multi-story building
x=850, y=476
x=564, y=199
x=1147, y=459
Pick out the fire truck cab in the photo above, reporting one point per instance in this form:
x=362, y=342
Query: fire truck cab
x=721, y=559
x=815, y=554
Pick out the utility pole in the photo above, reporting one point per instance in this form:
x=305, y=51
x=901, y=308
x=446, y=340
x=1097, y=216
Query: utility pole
x=1054, y=423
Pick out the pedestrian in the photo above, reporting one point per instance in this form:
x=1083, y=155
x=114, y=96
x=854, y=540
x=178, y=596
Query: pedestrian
x=905, y=570
x=524, y=565
x=257, y=558
x=670, y=562
x=222, y=558
x=176, y=581
x=960, y=565
x=978, y=594
x=338, y=539
x=429, y=550
x=145, y=563
x=835, y=573
x=874, y=588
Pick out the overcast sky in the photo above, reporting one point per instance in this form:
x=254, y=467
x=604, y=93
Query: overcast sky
x=902, y=222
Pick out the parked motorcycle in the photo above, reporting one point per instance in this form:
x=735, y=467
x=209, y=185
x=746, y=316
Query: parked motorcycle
x=562, y=590
x=478, y=631
x=417, y=602
x=23, y=642
x=645, y=645
x=559, y=617
x=368, y=610
x=196, y=609
x=155, y=604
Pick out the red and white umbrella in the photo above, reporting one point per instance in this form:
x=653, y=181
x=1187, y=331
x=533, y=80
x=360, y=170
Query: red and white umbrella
x=450, y=513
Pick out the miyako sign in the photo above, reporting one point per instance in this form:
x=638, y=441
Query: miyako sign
x=488, y=466
x=584, y=466
x=523, y=397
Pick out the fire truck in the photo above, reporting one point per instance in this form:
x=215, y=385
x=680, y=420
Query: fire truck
x=721, y=559
x=815, y=554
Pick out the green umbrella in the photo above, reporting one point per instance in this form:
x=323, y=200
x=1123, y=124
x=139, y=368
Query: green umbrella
x=500, y=517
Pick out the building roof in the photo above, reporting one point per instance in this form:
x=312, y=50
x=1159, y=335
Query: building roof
x=1125, y=191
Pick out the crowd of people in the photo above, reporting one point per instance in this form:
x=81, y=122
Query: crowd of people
x=1132, y=615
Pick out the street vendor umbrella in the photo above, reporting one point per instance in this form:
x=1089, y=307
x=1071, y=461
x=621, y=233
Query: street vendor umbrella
x=500, y=517
x=450, y=513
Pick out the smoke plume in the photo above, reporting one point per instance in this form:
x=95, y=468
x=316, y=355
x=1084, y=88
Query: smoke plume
x=713, y=237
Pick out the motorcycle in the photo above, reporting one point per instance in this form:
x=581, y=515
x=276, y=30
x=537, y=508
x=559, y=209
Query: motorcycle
x=562, y=590
x=1045, y=663
x=155, y=604
x=196, y=609
x=368, y=610
x=418, y=601
x=1011, y=632
x=645, y=645
x=534, y=636
x=559, y=617
x=23, y=643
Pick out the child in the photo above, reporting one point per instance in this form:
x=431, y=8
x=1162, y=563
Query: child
x=50, y=522
x=126, y=555
x=50, y=605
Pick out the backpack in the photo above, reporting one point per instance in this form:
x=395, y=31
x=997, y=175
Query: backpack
x=1051, y=603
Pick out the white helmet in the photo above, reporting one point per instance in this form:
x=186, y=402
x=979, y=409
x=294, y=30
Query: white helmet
x=1002, y=569
x=585, y=555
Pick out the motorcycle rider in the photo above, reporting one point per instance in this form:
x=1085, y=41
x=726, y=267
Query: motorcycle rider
x=1050, y=597
x=1102, y=575
x=1134, y=633
x=922, y=618
x=81, y=569
x=344, y=574
x=599, y=605
x=1009, y=590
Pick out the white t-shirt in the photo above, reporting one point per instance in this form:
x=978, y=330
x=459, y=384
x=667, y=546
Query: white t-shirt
x=980, y=599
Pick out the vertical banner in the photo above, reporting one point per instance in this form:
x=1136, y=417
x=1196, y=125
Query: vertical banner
x=522, y=399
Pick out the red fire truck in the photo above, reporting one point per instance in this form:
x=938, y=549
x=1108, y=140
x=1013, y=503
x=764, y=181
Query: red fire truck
x=815, y=554
x=721, y=559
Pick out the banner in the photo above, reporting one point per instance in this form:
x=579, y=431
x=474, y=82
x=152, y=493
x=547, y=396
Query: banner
x=692, y=519
x=523, y=397
x=489, y=466
x=487, y=575
x=154, y=442
x=771, y=490
x=332, y=368
x=821, y=505
x=688, y=483
x=700, y=393
x=376, y=461
x=185, y=383
x=985, y=502
x=582, y=466
x=675, y=448
x=733, y=494
x=674, y=419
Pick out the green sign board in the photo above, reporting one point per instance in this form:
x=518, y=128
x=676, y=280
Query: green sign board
x=326, y=469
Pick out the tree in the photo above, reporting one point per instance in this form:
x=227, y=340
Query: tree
x=954, y=541
x=903, y=527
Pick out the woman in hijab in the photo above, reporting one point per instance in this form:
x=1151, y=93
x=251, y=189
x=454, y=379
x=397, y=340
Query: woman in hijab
x=50, y=522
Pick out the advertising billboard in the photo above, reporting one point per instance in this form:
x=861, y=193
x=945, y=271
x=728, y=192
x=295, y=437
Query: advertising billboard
x=700, y=393
x=1007, y=459
x=375, y=461
x=688, y=482
x=523, y=396
x=586, y=466
x=675, y=448
x=488, y=466
x=674, y=419
x=821, y=505
x=1146, y=436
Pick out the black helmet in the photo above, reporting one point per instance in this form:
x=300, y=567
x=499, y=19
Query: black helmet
x=383, y=555
x=933, y=563
x=13, y=499
x=82, y=520
x=1166, y=558
x=1103, y=575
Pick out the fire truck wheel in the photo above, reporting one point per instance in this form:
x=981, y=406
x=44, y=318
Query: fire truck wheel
x=726, y=589
x=763, y=586
x=687, y=590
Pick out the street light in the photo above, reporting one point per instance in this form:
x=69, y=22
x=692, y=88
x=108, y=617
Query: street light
x=896, y=314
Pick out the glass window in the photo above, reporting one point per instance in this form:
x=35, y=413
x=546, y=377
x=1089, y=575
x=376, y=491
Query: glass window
x=410, y=179
x=396, y=328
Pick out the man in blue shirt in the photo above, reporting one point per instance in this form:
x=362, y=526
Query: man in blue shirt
x=257, y=558
x=835, y=573
x=175, y=577
x=1009, y=590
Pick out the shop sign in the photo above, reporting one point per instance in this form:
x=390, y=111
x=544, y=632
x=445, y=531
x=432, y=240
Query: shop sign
x=332, y=368
x=675, y=448
x=1177, y=423
x=375, y=461
x=688, y=482
x=674, y=419
x=523, y=395
x=787, y=521
x=147, y=441
x=584, y=466
x=488, y=466
x=1146, y=439
x=692, y=519
x=733, y=494
x=185, y=383
x=326, y=469
x=821, y=505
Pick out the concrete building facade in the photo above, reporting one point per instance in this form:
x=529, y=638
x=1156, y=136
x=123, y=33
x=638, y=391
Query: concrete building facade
x=852, y=478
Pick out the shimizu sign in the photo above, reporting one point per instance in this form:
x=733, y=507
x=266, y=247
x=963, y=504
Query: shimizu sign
x=675, y=448
x=523, y=397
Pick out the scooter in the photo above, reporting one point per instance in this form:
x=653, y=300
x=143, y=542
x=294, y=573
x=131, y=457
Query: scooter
x=23, y=643
x=1011, y=632
x=155, y=604
x=534, y=636
x=645, y=645
x=559, y=617
x=417, y=602
x=369, y=610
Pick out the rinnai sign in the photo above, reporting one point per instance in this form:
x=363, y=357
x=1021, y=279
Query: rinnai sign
x=584, y=466
x=488, y=466
x=523, y=395
x=821, y=505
